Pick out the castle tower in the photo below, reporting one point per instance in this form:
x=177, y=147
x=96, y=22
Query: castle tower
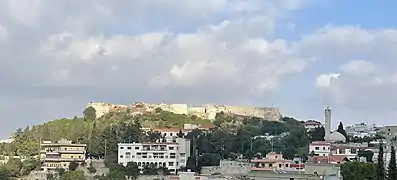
x=327, y=122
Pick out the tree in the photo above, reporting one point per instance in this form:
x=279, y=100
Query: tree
x=14, y=166
x=317, y=134
x=367, y=154
x=149, y=169
x=29, y=165
x=73, y=175
x=89, y=113
x=380, y=170
x=392, y=169
x=358, y=171
x=132, y=170
x=342, y=130
x=4, y=173
x=73, y=166
x=180, y=134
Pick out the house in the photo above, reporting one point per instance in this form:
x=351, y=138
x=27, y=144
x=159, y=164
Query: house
x=60, y=154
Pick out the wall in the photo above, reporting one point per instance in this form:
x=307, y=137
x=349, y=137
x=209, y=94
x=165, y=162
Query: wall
x=207, y=111
x=323, y=169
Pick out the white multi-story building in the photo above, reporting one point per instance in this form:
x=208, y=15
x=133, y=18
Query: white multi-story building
x=361, y=130
x=320, y=148
x=350, y=150
x=172, y=155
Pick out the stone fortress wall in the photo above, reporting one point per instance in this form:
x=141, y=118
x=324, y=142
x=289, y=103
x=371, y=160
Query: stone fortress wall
x=207, y=111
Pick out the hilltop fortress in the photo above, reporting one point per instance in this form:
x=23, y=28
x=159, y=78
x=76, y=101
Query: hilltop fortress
x=207, y=111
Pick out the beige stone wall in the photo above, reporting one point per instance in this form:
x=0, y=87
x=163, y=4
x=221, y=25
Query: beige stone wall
x=207, y=111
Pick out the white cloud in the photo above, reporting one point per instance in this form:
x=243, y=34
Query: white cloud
x=367, y=86
x=122, y=51
x=181, y=51
x=327, y=80
x=359, y=68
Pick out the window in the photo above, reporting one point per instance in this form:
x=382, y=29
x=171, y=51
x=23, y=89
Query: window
x=323, y=148
x=79, y=157
x=270, y=165
x=317, y=148
x=170, y=163
x=279, y=165
x=128, y=147
x=121, y=147
x=171, y=148
x=127, y=153
x=286, y=165
x=136, y=148
x=121, y=156
x=170, y=134
x=353, y=151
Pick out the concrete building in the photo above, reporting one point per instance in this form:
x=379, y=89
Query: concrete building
x=310, y=125
x=350, y=150
x=172, y=155
x=60, y=154
x=170, y=134
x=390, y=132
x=227, y=167
x=320, y=148
x=275, y=162
x=361, y=130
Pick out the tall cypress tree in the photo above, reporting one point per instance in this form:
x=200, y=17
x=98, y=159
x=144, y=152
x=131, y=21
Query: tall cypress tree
x=392, y=169
x=380, y=170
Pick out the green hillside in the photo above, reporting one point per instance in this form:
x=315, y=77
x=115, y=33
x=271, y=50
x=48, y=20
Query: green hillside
x=81, y=129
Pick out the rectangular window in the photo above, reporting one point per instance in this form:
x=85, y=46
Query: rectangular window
x=170, y=163
x=121, y=156
x=121, y=147
x=136, y=148
x=171, y=148
x=317, y=148
x=128, y=147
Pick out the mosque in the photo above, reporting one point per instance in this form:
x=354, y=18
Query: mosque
x=331, y=136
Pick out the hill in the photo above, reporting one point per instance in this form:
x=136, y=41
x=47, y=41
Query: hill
x=81, y=129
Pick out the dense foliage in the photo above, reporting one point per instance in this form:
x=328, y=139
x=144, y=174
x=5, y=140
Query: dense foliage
x=358, y=171
x=380, y=168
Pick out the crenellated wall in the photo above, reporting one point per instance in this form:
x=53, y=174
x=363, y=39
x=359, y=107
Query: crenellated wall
x=207, y=111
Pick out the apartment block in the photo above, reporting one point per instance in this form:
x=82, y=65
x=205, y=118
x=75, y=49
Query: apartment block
x=60, y=154
x=320, y=148
x=172, y=155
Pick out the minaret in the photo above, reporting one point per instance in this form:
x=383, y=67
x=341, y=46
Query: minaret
x=327, y=121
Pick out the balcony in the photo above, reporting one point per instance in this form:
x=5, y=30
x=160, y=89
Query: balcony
x=59, y=159
x=62, y=152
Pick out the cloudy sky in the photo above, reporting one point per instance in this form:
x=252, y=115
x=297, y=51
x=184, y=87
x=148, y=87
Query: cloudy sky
x=299, y=55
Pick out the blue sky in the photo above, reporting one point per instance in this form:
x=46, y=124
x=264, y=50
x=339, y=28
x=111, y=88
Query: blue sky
x=296, y=54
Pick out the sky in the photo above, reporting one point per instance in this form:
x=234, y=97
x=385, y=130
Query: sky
x=298, y=55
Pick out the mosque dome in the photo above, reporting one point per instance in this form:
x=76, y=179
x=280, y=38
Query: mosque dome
x=336, y=137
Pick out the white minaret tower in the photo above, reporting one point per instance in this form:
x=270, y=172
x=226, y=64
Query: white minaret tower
x=327, y=121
